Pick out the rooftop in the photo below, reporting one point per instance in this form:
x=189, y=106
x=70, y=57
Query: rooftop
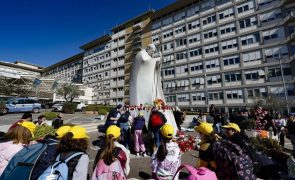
x=96, y=42
x=66, y=61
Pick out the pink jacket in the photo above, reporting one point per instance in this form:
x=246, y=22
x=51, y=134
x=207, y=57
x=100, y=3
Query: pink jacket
x=7, y=151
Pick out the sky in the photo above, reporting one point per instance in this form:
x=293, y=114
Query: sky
x=44, y=32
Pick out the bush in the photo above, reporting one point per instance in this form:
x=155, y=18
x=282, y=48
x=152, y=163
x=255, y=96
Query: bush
x=2, y=107
x=50, y=115
x=69, y=107
x=42, y=131
x=102, y=111
x=91, y=107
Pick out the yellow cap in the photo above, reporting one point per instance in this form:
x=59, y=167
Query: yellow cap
x=60, y=132
x=232, y=126
x=167, y=131
x=204, y=128
x=29, y=125
x=78, y=132
x=113, y=130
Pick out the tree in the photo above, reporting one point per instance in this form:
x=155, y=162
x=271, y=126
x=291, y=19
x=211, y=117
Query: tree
x=69, y=92
x=272, y=103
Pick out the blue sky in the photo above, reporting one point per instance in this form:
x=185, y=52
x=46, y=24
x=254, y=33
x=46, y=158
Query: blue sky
x=44, y=32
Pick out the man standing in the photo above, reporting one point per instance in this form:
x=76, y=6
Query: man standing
x=156, y=121
x=113, y=116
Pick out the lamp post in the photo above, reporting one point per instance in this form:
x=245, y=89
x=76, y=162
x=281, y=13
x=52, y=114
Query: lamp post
x=284, y=84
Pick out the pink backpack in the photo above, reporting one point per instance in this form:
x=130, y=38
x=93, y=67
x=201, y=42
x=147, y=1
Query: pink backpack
x=201, y=173
x=111, y=172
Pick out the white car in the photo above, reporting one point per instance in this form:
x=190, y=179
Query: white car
x=59, y=107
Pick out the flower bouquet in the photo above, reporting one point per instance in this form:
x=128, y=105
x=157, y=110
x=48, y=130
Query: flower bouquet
x=159, y=103
x=186, y=142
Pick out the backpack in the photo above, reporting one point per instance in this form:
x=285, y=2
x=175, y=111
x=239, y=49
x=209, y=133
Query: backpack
x=111, y=172
x=59, y=170
x=156, y=120
x=47, y=157
x=232, y=162
x=23, y=162
x=198, y=174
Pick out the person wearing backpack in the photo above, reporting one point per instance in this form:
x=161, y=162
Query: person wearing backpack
x=156, y=121
x=72, y=162
x=166, y=159
x=124, y=123
x=19, y=136
x=138, y=126
x=206, y=157
x=48, y=156
x=112, y=161
x=26, y=117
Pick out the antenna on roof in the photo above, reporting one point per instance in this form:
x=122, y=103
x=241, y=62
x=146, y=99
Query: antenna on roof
x=149, y=6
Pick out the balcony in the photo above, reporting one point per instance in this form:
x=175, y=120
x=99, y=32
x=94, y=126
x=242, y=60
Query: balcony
x=137, y=26
x=290, y=17
x=291, y=37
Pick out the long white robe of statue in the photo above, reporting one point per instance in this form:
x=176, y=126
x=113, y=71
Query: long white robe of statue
x=145, y=83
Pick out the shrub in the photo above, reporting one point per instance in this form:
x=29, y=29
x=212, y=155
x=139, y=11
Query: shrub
x=2, y=107
x=50, y=115
x=91, y=107
x=69, y=107
x=42, y=131
x=102, y=111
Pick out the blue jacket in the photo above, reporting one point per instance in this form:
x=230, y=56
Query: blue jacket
x=138, y=123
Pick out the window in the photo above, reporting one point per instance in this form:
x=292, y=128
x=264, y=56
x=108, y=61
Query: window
x=179, y=16
x=180, y=42
x=248, y=22
x=194, y=38
x=169, y=71
x=229, y=44
x=279, y=91
x=193, y=25
x=234, y=94
x=168, y=46
x=226, y=13
x=252, y=56
x=168, y=58
x=254, y=75
x=228, y=28
x=276, y=52
x=171, y=98
x=209, y=19
x=232, y=77
x=198, y=97
x=182, y=84
x=250, y=39
x=264, y=2
x=181, y=55
x=155, y=38
x=215, y=95
x=195, y=52
x=193, y=10
x=212, y=64
x=169, y=85
x=256, y=93
x=197, y=66
x=198, y=81
x=167, y=34
x=183, y=98
x=209, y=34
x=213, y=79
x=206, y=5
x=180, y=29
x=167, y=21
x=271, y=16
x=181, y=69
x=275, y=72
x=270, y=34
x=245, y=7
x=211, y=48
x=231, y=60
x=221, y=2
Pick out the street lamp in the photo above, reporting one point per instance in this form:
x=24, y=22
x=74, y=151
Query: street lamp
x=284, y=84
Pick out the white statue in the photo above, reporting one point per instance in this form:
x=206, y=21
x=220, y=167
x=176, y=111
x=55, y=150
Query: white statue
x=145, y=80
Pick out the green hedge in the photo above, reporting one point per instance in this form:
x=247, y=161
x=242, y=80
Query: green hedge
x=42, y=131
x=69, y=107
x=99, y=108
x=50, y=115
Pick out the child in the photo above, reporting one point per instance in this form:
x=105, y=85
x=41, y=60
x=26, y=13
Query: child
x=138, y=125
x=166, y=159
x=76, y=140
x=114, y=157
x=206, y=158
x=20, y=136
x=41, y=120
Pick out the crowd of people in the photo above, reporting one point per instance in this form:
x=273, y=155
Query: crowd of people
x=222, y=150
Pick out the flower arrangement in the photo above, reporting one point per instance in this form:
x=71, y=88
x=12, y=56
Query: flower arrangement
x=159, y=103
x=186, y=142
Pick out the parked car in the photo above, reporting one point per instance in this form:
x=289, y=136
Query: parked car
x=59, y=106
x=22, y=105
x=50, y=104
